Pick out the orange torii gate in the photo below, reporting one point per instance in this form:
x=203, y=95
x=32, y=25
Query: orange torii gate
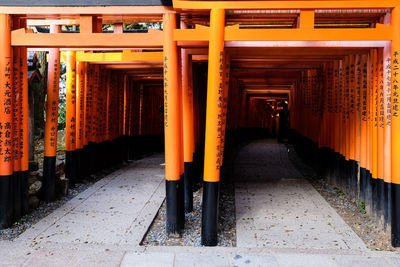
x=305, y=35
x=353, y=113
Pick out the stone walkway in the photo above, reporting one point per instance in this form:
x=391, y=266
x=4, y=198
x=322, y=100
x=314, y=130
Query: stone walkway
x=276, y=207
x=103, y=226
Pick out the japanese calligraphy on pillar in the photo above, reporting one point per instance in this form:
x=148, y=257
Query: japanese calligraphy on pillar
x=73, y=102
x=351, y=88
x=6, y=112
x=336, y=87
x=364, y=87
x=388, y=94
x=165, y=92
x=395, y=84
x=381, y=99
x=358, y=84
x=16, y=110
x=220, y=107
x=329, y=88
x=53, y=102
x=376, y=93
x=22, y=85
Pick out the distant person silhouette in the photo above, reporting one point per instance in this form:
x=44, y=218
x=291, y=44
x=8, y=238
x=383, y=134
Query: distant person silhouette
x=283, y=122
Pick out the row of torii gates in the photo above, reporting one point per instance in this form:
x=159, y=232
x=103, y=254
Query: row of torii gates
x=335, y=62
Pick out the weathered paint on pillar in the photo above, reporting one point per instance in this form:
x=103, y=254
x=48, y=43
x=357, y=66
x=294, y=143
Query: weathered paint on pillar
x=213, y=128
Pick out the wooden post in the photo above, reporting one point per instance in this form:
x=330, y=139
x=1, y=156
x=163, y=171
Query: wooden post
x=16, y=128
x=50, y=136
x=188, y=129
x=174, y=186
x=213, y=129
x=395, y=126
x=24, y=126
x=6, y=162
x=80, y=116
x=70, y=120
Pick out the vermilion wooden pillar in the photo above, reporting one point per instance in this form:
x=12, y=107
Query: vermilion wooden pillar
x=71, y=167
x=50, y=135
x=173, y=142
x=395, y=127
x=213, y=129
x=188, y=129
x=6, y=162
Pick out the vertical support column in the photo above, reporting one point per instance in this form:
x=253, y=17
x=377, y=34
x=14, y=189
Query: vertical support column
x=6, y=163
x=16, y=127
x=188, y=130
x=24, y=126
x=80, y=116
x=70, y=120
x=387, y=135
x=395, y=126
x=209, y=235
x=173, y=142
x=50, y=135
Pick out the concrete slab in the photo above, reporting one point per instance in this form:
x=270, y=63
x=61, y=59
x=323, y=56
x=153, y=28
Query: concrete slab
x=106, y=213
x=251, y=260
x=148, y=259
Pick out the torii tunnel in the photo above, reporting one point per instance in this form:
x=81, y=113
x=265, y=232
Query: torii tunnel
x=336, y=63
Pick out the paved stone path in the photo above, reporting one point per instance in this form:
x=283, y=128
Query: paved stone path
x=276, y=207
x=104, y=225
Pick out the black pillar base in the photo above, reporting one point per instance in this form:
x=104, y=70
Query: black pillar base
x=17, y=181
x=374, y=191
x=363, y=182
x=353, y=178
x=188, y=186
x=84, y=162
x=49, y=179
x=395, y=215
x=388, y=202
x=71, y=168
x=6, y=209
x=381, y=198
x=175, y=211
x=209, y=224
x=79, y=162
x=24, y=192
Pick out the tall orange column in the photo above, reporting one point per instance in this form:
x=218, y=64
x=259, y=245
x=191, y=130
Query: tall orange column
x=71, y=167
x=24, y=142
x=395, y=126
x=364, y=126
x=6, y=162
x=387, y=135
x=172, y=127
x=188, y=129
x=80, y=116
x=50, y=135
x=213, y=128
x=16, y=127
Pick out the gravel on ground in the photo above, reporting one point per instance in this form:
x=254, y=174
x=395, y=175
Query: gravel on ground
x=191, y=236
